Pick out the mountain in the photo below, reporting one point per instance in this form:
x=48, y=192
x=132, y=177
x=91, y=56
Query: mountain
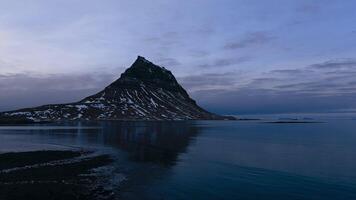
x=144, y=91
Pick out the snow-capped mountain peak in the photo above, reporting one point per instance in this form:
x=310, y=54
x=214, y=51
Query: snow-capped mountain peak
x=145, y=91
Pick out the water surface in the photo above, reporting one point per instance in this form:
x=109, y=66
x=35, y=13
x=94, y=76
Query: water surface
x=209, y=159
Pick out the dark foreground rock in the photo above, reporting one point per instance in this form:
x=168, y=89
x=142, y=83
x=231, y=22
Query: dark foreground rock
x=51, y=175
x=144, y=91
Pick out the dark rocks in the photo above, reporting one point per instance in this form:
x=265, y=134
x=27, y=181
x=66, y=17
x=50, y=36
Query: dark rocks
x=52, y=175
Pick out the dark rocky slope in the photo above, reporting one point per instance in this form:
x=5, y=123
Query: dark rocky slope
x=144, y=91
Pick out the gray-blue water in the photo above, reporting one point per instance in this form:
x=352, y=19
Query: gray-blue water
x=211, y=159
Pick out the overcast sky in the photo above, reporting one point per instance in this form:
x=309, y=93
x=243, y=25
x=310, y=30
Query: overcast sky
x=233, y=56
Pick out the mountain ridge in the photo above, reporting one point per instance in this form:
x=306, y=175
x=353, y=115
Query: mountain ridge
x=145, y=91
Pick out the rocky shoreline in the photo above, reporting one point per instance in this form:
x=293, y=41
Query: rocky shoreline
x=51, y=175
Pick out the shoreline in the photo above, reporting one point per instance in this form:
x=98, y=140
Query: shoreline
x=48, y=174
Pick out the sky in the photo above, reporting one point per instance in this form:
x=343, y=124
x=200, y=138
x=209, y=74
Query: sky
x=232, y=56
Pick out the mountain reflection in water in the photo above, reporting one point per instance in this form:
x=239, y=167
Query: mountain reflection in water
x=155, y=142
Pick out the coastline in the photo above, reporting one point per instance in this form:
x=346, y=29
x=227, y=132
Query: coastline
x=47, y=174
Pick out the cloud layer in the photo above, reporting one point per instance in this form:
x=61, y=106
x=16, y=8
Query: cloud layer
x=26, y=90
x=250, y=56
x=322, y=87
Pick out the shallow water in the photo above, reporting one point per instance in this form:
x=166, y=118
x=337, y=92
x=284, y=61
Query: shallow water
x=210, y=159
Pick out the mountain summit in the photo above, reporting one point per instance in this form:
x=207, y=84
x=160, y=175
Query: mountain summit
x=145, y=72
x=145, y=91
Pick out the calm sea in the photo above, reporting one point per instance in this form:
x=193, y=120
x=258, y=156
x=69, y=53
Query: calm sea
x=212, y=159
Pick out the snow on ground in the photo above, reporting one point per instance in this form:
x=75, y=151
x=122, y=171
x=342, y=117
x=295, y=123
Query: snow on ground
x=81, y=107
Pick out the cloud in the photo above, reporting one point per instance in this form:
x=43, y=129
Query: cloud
x=25, y=90
x=164, y=39
x=250, y=39
x=335, y=64
x=263, y=81
x=208, y=81
x=218, y=63
x=291, y=71
x=198, y=53
x=170, y=62
x=52, y=81
x=318, y=87
x=303, y=89
x=258, y=101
